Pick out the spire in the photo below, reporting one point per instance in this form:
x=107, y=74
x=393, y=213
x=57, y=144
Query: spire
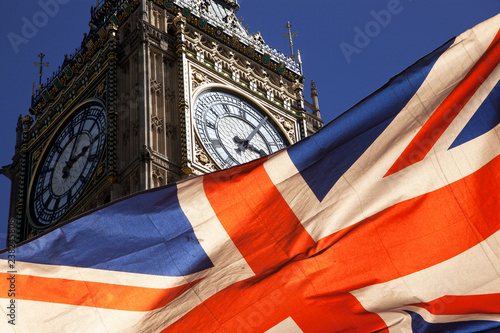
x=290, y=34
x=314, y=96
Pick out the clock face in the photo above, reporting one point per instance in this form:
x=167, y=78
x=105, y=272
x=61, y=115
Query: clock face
x=232, y=130
x=67, y=167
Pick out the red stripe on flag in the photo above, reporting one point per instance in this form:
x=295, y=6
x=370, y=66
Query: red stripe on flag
x=92, y=294
x=444, y=115
x=463, y=305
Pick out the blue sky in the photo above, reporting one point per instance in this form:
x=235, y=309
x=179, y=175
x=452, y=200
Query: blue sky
x=349, y=47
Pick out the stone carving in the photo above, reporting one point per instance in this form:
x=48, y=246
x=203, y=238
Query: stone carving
x=36, y=155
x=156, y=86
x=236, y=76
x=253, y=85
x=27, y=122
x=202, y=158
x=145, y=154
x=101, y=90
x=218, y=66
x=180, y=23
x=258, y=38
x=203, y=5
x=158, y=177
x=156, y=123
x=99, y=171
x=200, y=79
x=287, y=105
x=287, y=125
x=270, y=94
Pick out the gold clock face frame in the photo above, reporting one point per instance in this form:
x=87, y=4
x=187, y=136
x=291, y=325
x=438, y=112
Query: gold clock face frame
x=234, y=131
x=68, y=164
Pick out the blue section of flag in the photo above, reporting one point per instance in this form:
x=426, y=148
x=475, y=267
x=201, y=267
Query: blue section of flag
x=323, y=158
x=485, y=119
x=418, y=324
x=147, y=234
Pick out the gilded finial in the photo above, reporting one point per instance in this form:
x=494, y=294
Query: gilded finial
x=41, y=64
x=290, y=34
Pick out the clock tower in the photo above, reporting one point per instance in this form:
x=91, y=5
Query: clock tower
x=158, y=91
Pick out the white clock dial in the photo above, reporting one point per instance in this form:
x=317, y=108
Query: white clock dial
x=232, y=130
x=69, y=164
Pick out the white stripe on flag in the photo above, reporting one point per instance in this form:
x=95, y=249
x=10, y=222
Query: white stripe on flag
x=473, y=272
x=102, y=275
x=286, y=326
x=40, y=317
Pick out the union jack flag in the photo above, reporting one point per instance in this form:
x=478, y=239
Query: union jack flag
x=386, y=220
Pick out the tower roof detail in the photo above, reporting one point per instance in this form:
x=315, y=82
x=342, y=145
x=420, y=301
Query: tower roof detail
x=221, y=14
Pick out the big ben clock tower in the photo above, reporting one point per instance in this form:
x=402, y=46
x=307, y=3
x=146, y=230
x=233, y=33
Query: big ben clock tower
x=157, y=92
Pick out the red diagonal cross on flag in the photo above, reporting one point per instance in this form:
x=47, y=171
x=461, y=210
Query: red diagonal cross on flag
x=432, y=130
x=311, y=282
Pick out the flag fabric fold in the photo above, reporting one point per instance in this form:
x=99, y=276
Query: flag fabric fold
x=385, y=220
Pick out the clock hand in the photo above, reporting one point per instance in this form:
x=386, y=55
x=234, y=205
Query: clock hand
x=237, y=139
x=95, y=139
x=77, y=139
x=65, y=170
x=243, y=143
x=261, y=152
x=71, y=161
x=83, y=152
x=255, y=130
